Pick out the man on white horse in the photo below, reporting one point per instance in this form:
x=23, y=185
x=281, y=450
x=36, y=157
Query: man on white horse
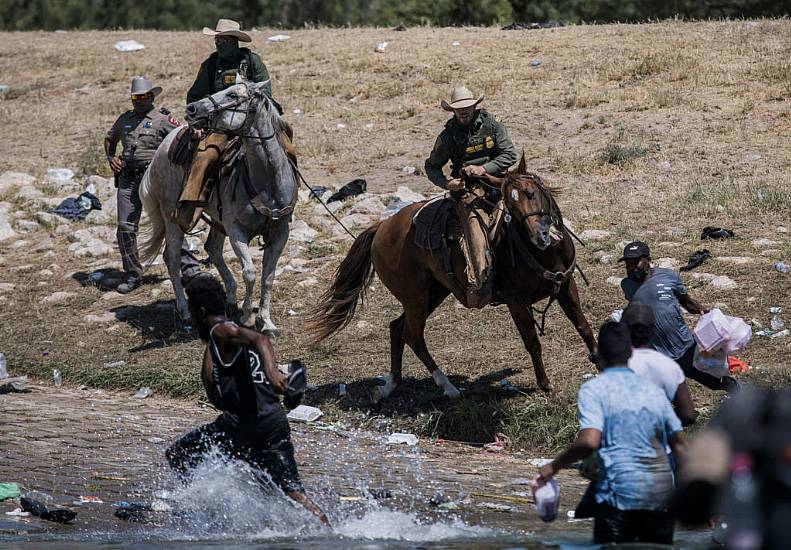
x=140, y=130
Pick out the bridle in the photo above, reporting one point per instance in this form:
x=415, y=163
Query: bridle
x=251, y=101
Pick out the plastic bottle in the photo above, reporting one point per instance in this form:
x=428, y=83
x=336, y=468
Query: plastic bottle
x=781, y=267
x=3, y=369
x=57, y=377
x=777, y=324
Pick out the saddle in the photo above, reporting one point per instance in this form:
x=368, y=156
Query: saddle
x=183, y=148
x=464, y=232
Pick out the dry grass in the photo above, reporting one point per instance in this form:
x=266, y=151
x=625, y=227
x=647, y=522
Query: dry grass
x=607, y=104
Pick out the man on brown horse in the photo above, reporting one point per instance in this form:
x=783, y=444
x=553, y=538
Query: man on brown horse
x=217, y=73
x=478, y=146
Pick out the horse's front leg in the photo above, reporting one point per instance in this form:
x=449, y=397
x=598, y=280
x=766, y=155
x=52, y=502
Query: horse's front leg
x=523, y=318
x=174, y=237
x=569, y=301
x=214, y=245
x=239, y=239
x=278, y=236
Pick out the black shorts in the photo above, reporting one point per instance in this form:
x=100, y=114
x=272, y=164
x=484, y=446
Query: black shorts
x=266, y=446
x=614, y=525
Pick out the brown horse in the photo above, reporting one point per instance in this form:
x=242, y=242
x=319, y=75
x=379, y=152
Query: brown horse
x=529, y=266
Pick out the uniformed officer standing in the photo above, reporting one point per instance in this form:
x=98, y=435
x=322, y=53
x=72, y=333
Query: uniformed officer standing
x=217, y=73
x=140, y=130
x=476, y=144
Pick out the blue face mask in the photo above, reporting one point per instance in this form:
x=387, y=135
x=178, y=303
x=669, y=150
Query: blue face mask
x=227, y=49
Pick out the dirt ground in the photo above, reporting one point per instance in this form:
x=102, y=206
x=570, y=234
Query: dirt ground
x=652, y=131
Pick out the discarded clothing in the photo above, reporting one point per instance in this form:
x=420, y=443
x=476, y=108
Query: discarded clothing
x=531, y=26
x=697, y=258
x=737, y=366
x=78, y=208
x=8, y=490
x=36, y=508
x=351, y=189
x=716, y=233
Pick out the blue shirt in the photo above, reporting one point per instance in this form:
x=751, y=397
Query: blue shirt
x=635, y=420
x=660, y=292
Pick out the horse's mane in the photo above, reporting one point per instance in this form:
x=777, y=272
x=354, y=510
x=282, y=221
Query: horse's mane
x=274, y=117
x=553, y=190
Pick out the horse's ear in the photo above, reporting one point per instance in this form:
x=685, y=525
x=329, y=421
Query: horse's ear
x=522, y=168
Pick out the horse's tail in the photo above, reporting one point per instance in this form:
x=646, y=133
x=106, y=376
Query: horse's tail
x=338, y=303
x=152, y=224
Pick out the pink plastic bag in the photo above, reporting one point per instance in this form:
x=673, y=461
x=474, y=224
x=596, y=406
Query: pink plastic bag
x=547, y=497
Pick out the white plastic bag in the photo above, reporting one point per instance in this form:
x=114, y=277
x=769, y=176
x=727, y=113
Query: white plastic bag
x=547, y=497
x=716, y=331
x=714, y=362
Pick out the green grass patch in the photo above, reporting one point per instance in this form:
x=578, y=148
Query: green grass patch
x=705, y=198
x=621, y=154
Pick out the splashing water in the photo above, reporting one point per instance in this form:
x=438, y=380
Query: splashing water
x=403, y=526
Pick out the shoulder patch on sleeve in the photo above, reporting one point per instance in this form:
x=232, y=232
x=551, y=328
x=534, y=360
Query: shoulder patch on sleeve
x=173, y=121
x=164, y=111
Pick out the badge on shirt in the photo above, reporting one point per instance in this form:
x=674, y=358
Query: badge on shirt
x=172, y=120
x=229, y=79
x=489, y=142
x=147, y=124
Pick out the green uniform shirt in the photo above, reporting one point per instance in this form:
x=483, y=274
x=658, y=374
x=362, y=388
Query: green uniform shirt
x=218, y=73
x=485, y=142
x=140, y=135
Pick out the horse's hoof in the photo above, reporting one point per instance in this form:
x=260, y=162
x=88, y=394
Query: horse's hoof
x=452, y=393
x=548, y=388
x=266, y=327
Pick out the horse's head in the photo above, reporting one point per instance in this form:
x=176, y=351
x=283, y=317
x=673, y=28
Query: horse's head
x=228, y=109
x=530, y=203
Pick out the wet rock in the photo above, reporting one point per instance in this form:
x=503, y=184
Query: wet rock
x=763, y=243
x=371, y=206
x=404, y=193
x=56, y=298
x=353, y=221
x=667, y=263
x=594, y=234
x=615, y=281
x=723, y=282
x=26, y=226
x=302, y=232
x=734, y=260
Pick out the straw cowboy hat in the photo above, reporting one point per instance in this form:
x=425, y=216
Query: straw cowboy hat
x=142, y=85
x=228, y=27
x=460, y=98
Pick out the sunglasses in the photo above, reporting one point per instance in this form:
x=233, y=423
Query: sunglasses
x=136, y=97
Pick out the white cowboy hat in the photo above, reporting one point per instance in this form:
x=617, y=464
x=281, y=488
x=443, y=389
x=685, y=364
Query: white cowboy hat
x=142, y=85
x=228, y=27
x=460, y=98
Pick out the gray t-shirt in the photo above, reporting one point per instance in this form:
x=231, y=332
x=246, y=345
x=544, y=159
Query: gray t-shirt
x=660, y=292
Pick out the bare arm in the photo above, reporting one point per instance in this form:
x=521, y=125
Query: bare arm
x=692, y=305
x=587, y=441
x=679, y=447
x=685, y=408
x=109, y=150
x=241, y=336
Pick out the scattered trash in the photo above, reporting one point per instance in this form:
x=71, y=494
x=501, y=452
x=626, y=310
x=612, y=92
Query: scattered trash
x=128, y=46
x=60, y=515
x=59, y=175
x=292, y=313
x=499, y=507
x=697, y=258
x=143, y=392
x=380, y=47
x=18, y=512
x=616, y=315
x=551, y=24
x=776, y=323
x=769, y=333
x=342, y=392
x=77, y=209
x=547, y=495
x=455, y=43
x=588, y=376
x=351, y=189
x=447, y=506
x=664, y=165
x=17, y=383
x=369, y=125
x=318, y=190
x=304, y=413
x=400, y=28
x=401, y=439
x=130, y=514
x=8, y=490
x=716, y=233
x=3, y=88
x=3, y=367
x=340, y=125
x=499, y=443
x=90, y=499
x=751, y=157
x=781, y=267
x=536, y=63
x=438, y=499
x=506, y=385
x=114, y=364
x=380, y=493
x=57, y=377
x=278, y=38
x=538, y=462
x=737, y=366
x=715, y=331
x=409, y=169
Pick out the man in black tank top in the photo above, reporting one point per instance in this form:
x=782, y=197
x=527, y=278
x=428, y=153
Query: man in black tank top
x=242, y=380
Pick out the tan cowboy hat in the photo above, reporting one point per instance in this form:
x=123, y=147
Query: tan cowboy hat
x=228, y=27
x=142, y=85
x=460, y=98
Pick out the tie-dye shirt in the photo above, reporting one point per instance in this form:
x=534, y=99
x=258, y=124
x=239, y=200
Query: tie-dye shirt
x=635, y=420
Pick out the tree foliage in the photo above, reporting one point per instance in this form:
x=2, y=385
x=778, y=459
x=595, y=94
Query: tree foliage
x=193, y=14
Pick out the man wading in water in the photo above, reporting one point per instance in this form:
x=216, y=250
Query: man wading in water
x=242, y=380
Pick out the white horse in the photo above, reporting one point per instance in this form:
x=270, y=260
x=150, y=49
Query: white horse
x=260, y=206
